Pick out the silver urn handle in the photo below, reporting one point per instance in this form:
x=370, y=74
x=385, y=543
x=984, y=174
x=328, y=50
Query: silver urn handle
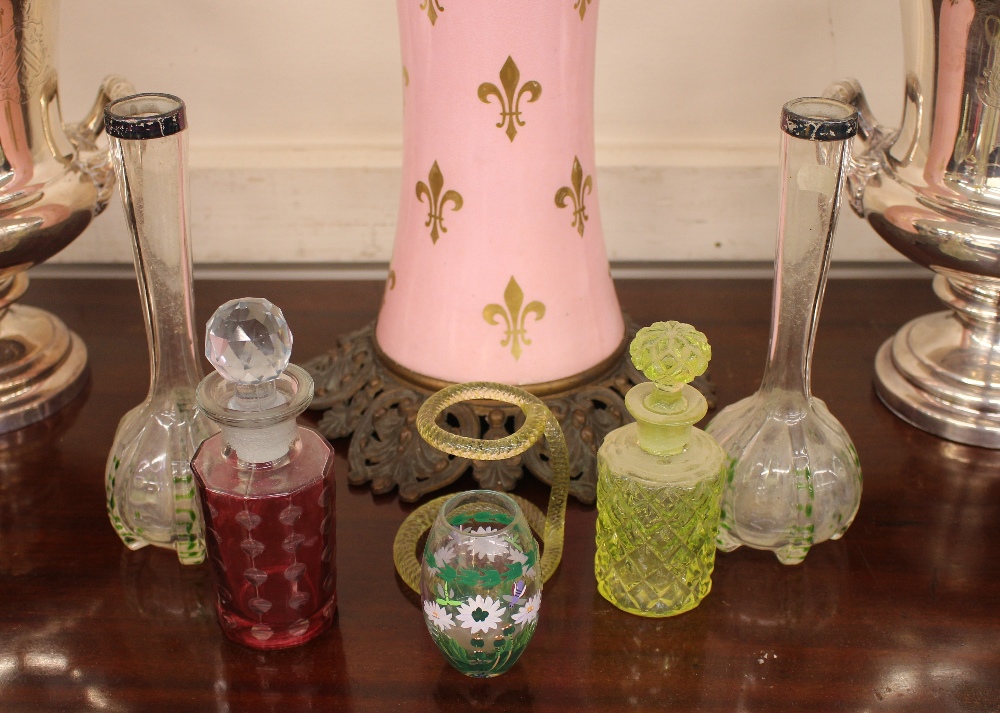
x=93, y=160
x=86, y=131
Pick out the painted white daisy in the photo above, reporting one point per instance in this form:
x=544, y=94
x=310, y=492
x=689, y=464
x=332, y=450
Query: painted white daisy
x=529, y=612
x=516, y=555
x=480, y=614
x=441, y=556
x=445, y=553
x=437, y=615
x=487, y=547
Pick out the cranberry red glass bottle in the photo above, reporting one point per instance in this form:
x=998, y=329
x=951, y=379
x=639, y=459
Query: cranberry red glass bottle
x=266, y=484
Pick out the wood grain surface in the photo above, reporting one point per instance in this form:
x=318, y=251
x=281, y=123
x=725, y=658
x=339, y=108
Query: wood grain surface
x=901, y=614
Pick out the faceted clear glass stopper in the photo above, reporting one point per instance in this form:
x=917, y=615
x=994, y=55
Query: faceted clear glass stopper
x=248, y=341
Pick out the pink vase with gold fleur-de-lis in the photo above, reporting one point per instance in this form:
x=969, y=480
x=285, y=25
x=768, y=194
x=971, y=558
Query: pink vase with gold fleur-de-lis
x=499, y=270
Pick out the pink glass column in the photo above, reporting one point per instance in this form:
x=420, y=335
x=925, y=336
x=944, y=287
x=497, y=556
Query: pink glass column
x=499, y=270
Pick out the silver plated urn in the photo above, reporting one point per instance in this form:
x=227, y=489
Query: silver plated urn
x=53, y=181
x=931, y=189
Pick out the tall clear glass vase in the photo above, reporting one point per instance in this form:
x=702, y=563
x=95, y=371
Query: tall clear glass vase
x=150, y=487
x=794, y=479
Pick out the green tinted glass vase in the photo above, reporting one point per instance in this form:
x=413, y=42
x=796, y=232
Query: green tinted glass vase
x=794, y=477
x=480, y=585
x=151, y=498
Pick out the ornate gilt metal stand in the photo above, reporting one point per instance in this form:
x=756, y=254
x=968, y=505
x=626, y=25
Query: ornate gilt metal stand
x=365, y=393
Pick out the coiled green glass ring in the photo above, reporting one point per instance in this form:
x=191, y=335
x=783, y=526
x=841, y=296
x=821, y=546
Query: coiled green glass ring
x=537, y=420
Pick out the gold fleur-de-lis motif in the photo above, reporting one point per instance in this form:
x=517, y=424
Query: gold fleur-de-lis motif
x=510, y=99
x=433, y=7
x=582, y=185
x=437, y=201
x=513, y=316
x=581, y=5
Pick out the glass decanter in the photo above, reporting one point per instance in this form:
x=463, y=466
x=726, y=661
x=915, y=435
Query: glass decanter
x=659, y=481
x=150, y=489
x=794, y=477
x=266, y=483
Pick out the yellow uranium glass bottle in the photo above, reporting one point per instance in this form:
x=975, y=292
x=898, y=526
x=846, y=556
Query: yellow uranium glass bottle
x=659, y=481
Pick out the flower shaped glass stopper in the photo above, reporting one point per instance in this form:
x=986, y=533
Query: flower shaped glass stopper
x=671, y=355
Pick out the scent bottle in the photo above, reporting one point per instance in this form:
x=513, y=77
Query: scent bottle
x=659, y=481
x=265, y=483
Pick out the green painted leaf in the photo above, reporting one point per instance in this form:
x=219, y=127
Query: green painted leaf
x=490, y=578
x=514, y=571
x=499, y=517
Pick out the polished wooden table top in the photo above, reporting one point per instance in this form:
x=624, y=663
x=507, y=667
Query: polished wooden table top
x=901, y=614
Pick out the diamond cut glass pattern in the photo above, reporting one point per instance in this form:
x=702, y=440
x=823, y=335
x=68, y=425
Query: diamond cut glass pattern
x=248, y=341
x=661, y=559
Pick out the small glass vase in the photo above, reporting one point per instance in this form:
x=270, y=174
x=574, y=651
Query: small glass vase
x=793, y=478
x=150, y=488
x=480, y=583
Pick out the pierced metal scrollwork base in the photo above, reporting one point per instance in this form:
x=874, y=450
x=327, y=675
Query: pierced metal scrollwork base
x=365, y=394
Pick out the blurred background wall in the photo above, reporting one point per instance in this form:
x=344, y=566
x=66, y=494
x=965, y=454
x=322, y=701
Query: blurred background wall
x=295, y=119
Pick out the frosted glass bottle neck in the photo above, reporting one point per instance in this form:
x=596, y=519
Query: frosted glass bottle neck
x=259, y=443
x=665, y=419
x=258, y=422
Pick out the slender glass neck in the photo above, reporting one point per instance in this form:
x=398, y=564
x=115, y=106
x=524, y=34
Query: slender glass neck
x=812, y=181
x=153, y=182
